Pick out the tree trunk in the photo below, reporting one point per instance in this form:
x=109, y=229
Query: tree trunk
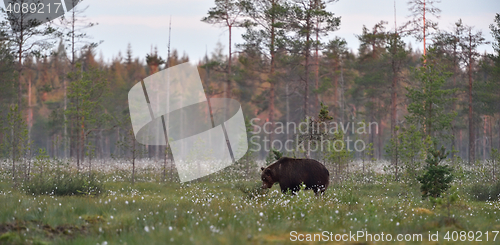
x=335, y=88
x=133, y=161
x=316, y=70
x=490, y=129
x=15, y=139
x=77, y=150
x=472, y=141
x=271, y=78
x=342, y=103
x=371, y=139
x=484, y=137
x=165, y=165
x=306, y=78
x=379, y=136
x=82, y=144
x=460, y=138
x=90, y=164
x=424, y=30
x=65, y=131
x=453, y=106
x=30, y=109
x=393, y=112
x=107, y=147
x=498, y=136
x=20, y=70
x=101, y=145
x=73, y=22
x=14, y=144
x=2, y=135
x=228, y=89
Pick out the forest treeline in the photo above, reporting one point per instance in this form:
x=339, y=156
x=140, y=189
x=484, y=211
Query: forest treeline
x=57, y=96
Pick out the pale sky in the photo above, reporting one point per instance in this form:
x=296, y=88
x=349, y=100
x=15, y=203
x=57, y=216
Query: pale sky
x=144, y=23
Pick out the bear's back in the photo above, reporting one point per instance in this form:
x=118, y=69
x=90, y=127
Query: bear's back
x=288, y=164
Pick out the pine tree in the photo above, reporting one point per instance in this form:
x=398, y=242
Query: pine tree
x=495, y=57
x=308, y=18
x=370, y=89
x=336, y=51
x=429, y=99
x=447, y=46
x=397, y=55
x=437, y=178
x=227, y=13
x=469, y=43
x=85, y=108
x=421, y=24
x=265, y=35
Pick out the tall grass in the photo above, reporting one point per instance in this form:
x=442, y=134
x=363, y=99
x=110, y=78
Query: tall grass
x=224, y=208
x=64, y=183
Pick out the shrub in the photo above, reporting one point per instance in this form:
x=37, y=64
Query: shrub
x=251, y=190
x=436, y=178
x=485, y=192
x=64, y=184
x=274, y=155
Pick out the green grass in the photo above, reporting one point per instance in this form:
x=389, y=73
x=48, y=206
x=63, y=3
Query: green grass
x=230, y=211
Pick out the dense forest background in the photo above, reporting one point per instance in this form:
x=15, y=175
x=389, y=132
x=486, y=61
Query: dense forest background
x=57, y=96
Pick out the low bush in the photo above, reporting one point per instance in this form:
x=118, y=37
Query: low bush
x=251, y=190
x=436, y=178
x=485, y=192
x=64, y=184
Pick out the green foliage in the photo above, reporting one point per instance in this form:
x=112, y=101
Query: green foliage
x=264, y=16
x=337, y=151
x=15, y=145
x=396, y=51
x=338, y=154
x=49, y=177
x=349, y=198
x=85, y=93
x=86, y=112
x=495, y=160
x=274, y=155
x=371, y=85
x=154, y=59
x=11, y=238
x=248, y=161
x=7, y=76
x=323, y=114
x=429, y=99
x=495, y=32
x=411, y=150
x=64, y=183
x=42, y=161
x=277, y=154
x=252, y=190
x=369, y=153
x=226, y=13
x=220, y=210
x=446, y=203
x=436, y=178
x=132, y=150
x=317, y=132
x=481, y=191
x=16, y=134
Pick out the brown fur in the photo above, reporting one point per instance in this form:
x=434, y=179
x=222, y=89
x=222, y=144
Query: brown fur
x=290, y=173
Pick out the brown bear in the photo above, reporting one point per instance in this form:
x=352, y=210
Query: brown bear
x=290, y=173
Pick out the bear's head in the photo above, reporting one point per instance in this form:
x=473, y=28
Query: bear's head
x=267, y=177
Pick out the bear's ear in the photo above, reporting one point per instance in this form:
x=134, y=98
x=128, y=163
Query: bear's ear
x=267, y=172
x=261, y=168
